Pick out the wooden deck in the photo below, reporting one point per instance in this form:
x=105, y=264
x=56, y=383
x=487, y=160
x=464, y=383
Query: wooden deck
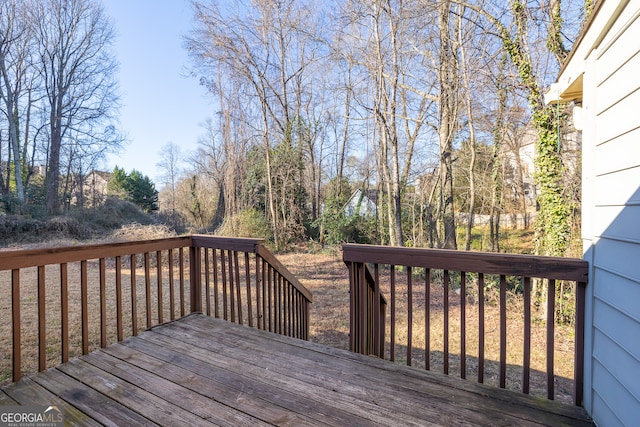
x=204, y=371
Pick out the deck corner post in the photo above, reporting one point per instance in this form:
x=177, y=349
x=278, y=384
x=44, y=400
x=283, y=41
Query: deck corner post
x=195, y=279
x=578, y=366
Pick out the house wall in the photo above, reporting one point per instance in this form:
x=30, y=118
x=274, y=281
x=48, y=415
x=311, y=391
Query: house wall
x=609, y=58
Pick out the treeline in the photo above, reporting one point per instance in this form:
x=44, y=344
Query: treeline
x=380, y=121
x=423, y=108
x=58, y=100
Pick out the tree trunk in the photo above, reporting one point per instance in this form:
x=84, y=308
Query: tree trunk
x=472, y=138
x=53, y=166
x=447, y=125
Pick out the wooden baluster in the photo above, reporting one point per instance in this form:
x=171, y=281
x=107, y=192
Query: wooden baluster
x=270, y=299
x=357, y=308
x=247, y=275
x=232, y=296
x=480, y=327
x=103, y=303
x=291, y=322
x=216, y=302
x=463, y=324
x=526, y=362
x=284, y=307
x=306, y=325
x=409, y=314
x=134, y=296
x=172, y=293
x=16, y=324
x=147, y=288
x=84, y=307
x=264, y=285
x=503, y=331
x=551, y=311
x=223, y=263
x=159, y=282
x=64, y=311
x=352, y=306
x=119, y=332
x=279, y=303
x=378, y=343
x=296, y=307
x=445, y=297
x=298, y=315
x=393, y=311
x=259, y=280
x=578, y=367
x=207, y=283
x=427, y=318
x=181, y=272
x=42, y=321
x=290, y=310
x=195, y=280
x=236, y=271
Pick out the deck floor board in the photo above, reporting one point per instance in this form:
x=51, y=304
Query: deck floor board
x=204, y=371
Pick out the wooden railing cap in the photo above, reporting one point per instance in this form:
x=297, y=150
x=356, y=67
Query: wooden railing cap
x=481, y=262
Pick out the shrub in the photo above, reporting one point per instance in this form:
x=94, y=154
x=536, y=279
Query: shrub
x=248, y=223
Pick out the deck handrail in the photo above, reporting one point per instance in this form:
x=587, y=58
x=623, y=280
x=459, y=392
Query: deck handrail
x=524, y=268
x=243, y=276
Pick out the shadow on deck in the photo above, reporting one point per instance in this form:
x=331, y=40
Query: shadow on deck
x=204, y=371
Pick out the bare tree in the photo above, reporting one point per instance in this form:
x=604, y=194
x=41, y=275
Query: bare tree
x=15, y=46
x=77, y=69
x=448, y=69
x=465, y=69
x=399, y=99
x=270, y=48
x=169, y=164
x=552, y=225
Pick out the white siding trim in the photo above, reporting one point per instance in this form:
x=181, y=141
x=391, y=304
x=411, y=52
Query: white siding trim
x=605, y=366
x=618, y=33
x=604, y=400
x=623, y=312
x=617, y=273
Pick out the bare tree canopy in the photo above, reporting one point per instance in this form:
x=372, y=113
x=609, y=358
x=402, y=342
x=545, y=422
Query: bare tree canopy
x=59, y=90
x=401, y=89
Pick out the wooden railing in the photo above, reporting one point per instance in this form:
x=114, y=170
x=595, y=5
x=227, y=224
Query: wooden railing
x=63, y=302
x=412, y=277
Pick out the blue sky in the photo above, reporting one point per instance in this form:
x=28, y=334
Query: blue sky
x=159, y=103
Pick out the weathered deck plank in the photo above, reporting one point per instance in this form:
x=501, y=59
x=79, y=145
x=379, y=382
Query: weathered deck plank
x=398, y=377
x=30, y=392
x=204, y=371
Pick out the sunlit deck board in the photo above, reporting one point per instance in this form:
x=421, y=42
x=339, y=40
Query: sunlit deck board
x=200, y=370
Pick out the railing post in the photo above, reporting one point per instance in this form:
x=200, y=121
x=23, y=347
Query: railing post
x=195, y=280
x=578, y=364
x=352, y=307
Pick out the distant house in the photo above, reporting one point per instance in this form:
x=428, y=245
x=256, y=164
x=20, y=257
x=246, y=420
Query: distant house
x=91, y=189
x=363, y=203
x=519, y=156
x=602, y=78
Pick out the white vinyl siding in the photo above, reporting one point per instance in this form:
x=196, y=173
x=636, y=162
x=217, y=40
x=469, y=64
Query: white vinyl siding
x=618, y=154
x=618, y=188
x=609, y=62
